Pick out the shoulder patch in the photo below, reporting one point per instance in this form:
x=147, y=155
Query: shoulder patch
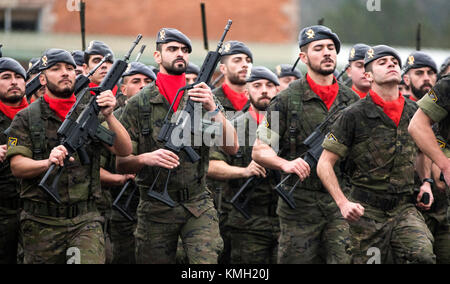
x=441, y=143
x=330, y=136
x=432, y=95
x=12, y=142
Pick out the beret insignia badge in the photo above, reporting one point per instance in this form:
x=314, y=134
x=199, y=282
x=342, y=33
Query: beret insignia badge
x=371, y=53
x=352, y=53
x=227, y=47
x=278, y=69
x=44, y=60
x=162, y=34
x=310, y=33
x=411, y=60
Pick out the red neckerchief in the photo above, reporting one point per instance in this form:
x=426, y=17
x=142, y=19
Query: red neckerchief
x=238, y=100
x=60, y=106
x=392, y=109
x=412, y=98
x=93, y=85
x=327, y=93
x=257, y=116
x=11, y=111
x=169, y=85
x=360, y=94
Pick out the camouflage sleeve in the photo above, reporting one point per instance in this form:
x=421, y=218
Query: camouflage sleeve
x=273, y=127
x=19, y=142
x=436, y=104
x=129, y=120
x=340, y=137
x=216, y=153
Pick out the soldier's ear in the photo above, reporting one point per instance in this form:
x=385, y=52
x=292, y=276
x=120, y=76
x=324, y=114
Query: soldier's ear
x=43, y=79
x=123, y=89
x=348, y=71
x=223, y=68
x=157, y=57
x=407, y=79
x=303, y=57
x=369, y=76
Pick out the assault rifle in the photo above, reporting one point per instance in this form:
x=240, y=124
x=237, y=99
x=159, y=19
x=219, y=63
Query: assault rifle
x=314, y=144
x=165, y=135
x=75, y=135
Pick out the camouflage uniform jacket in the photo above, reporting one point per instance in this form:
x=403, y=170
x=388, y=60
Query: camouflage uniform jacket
x=143, y=117
x=263, y=199
x=78, y=183
x=380, y=154
x=298, y=110
x=8, y=183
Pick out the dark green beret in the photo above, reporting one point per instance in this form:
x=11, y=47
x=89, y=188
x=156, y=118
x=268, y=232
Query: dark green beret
x=419, y=59
x=9, y=64
x=53, y=56
x=96, y=47
x=284, y=70
x=261, y=72
x=236, y=47
x=358, y=52
x=166, y=35
x=192, y=69
x=381, y=51
x=314, y=33
x=78, y=56
x=139, y=68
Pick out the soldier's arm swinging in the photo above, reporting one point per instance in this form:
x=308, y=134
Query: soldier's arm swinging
x=159, y=158
x=264, y=155
x=349, y=210
x=422, y=133
x=220, y=170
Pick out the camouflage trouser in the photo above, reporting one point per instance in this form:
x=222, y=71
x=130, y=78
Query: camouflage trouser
x=9, y=237
x=319, y=234
x=401, y=237
x=122, y=238
x=225, y=255
x=254, y=247
x=157, y=242
x=50, y=244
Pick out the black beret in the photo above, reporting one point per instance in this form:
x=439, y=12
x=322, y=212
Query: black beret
x=9, y=64
x=166, y=35
x=192, y=69
x=358, y=52
x=381, y=51
x=78, y=56
x=284, y=70
x=33, y=66
x=139, y=68
x=419, y=59
x=313, y=33
x=96, y=47
x=236, y=47
x=53, y=56
x=261, y=72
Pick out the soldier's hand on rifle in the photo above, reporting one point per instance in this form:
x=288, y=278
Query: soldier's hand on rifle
x=254, y=169
x=161, y=158
x=298, y=167
x=107, y=102
x=124, y=178
x=426, y=187
x=201, y=93
x=351, y=211
x=57, y=156
x=2, y=153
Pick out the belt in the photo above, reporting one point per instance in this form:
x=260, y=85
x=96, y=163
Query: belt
x=383, y=202
x=11, y=204
x=52, y=210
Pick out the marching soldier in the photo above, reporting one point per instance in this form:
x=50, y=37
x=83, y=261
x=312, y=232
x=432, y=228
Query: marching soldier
x=253, y=240
x=235, y=64
x=420, y=74
x=355, y=70
x=12, y=100
x=445, y=68
x=33, y=71
x=286, y=75
x=433, y=108
x=193, y=216
x=51, y=231
x=372, y=133
x=121, y=229
x=78, y=57
x=315, y=223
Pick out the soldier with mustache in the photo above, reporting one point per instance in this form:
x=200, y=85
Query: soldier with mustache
x=420, y=74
